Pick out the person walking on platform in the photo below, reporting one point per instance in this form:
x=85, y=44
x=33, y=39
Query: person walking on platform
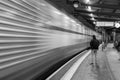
x=94, y=45
x=117, y=46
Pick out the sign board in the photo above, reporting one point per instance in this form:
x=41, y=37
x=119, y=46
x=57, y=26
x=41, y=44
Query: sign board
x=105, y=23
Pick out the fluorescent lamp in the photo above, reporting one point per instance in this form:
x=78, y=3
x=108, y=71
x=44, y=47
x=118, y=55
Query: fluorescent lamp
x=90, y=1
x=94, y=22
x=87, y=1
x=93, y=18
x=91, y=15
x=75, y=5
x=89, y=8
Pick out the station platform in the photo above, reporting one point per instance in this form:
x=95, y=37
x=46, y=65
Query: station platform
x=79, y=68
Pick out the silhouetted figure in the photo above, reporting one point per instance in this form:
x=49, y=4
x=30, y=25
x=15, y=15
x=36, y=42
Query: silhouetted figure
x=94, y=44
x=117, y=46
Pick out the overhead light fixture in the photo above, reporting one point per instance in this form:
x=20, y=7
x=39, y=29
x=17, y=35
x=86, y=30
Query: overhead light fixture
x=87, y=1
x=89, y=8
x=94, y=22
x=93, y=18
x=90, y=1
x=76, y=3
x=91, y=15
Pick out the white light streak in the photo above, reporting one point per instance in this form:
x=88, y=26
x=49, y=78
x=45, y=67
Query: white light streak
x=89, y=8
x=93, y=18
x=76, y=5
x=91, y=15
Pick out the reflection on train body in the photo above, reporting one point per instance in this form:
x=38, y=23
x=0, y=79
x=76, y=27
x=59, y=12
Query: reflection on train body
x=34, y=34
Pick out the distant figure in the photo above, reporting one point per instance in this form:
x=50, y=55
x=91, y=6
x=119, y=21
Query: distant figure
x=94, y=44
x=101, y=46
x=117, y=46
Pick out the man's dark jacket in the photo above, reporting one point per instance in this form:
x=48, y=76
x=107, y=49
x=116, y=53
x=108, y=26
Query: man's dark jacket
x=94, y=44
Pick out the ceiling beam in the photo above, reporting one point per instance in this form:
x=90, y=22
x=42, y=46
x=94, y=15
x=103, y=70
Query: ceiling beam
x=99, y=13
x=105, y=19
x=102, y=6
x=99, y=17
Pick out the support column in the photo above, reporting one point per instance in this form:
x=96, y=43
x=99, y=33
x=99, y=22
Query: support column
x=114, y=35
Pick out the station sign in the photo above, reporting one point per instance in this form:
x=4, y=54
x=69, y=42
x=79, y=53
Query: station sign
x=100, y=24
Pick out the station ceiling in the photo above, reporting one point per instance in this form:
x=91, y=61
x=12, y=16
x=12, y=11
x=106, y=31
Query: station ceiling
x=90, y=11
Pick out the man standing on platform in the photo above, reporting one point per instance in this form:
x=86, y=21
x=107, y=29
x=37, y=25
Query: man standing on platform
x=94, y=45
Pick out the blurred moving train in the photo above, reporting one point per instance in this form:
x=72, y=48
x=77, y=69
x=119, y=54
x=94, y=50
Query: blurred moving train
x=35, y=35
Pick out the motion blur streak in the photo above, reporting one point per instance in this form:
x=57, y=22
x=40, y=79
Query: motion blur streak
x=31, y=29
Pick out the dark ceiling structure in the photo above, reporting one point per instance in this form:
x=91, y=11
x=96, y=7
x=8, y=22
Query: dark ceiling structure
x=90, y=11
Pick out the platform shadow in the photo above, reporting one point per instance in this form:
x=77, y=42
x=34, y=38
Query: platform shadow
x=100, y=73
